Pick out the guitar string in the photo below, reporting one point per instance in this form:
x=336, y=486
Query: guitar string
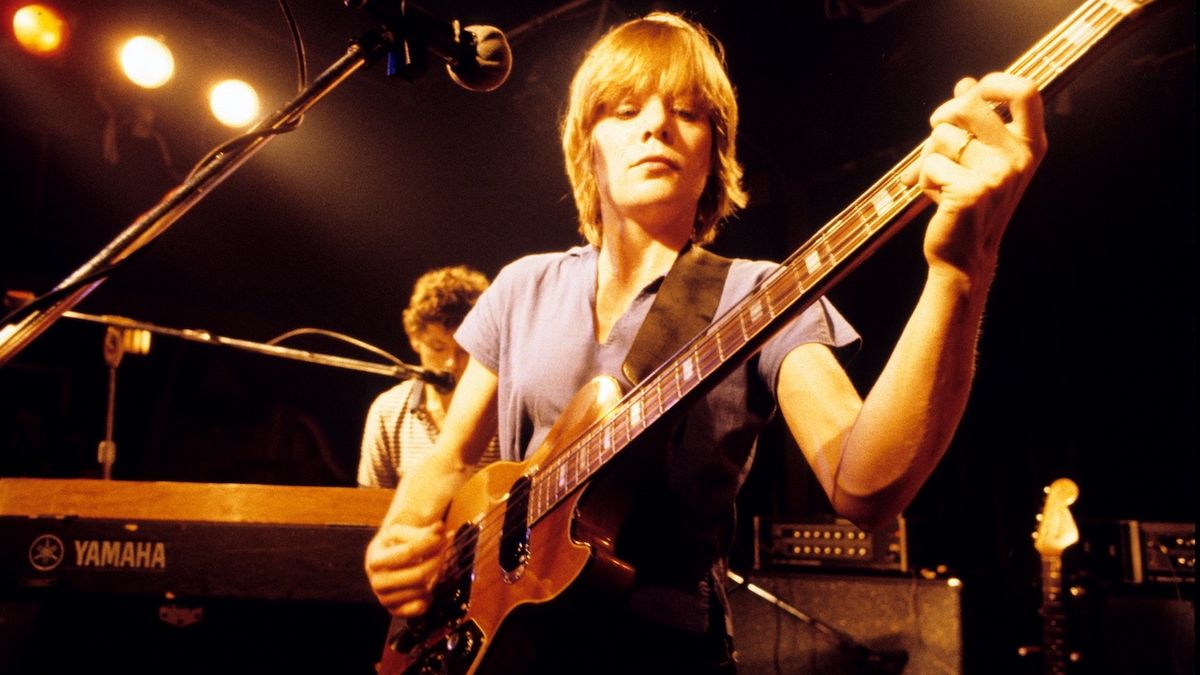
x=1047, y=65
x=710, y=356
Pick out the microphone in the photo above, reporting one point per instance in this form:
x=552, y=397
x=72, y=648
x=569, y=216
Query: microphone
x=478, y=58
x=443, y=382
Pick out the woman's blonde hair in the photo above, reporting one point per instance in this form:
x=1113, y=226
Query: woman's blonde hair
x=668, y=55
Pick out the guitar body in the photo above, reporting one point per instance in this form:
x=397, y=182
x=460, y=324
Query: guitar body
x=570, y=547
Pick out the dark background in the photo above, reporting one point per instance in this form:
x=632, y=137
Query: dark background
x=1086, y=364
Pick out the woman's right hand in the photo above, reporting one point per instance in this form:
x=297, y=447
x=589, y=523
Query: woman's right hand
x=406, y=555
x=402, y=563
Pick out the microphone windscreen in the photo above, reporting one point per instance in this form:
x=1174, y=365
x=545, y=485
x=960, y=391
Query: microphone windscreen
x=493, y=61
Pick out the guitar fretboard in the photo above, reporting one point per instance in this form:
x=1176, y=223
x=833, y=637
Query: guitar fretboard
x=1054, y=620
x=833, y=251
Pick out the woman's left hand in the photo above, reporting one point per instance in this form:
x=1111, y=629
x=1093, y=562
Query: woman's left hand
x=975, y=167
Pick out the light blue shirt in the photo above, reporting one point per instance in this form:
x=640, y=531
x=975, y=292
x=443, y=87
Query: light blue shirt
x=534, y=327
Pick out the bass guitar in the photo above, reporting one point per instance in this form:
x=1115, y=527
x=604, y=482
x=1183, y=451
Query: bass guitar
x=527, y=532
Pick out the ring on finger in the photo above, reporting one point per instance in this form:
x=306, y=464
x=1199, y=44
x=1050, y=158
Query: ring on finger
x=958, y=154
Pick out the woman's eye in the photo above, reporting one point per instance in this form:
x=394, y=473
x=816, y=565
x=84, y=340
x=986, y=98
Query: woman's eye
x=625, y=111
x=686, y=113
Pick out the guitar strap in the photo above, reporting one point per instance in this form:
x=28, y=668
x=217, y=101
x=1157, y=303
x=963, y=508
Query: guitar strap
x=684, y=306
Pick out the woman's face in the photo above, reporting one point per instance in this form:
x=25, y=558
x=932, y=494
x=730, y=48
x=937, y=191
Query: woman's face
x=652, y=158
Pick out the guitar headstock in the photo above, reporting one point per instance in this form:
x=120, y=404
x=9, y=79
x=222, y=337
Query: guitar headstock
x=1056, y=528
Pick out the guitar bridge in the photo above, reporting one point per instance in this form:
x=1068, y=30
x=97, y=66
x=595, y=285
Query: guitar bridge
x=452, y=655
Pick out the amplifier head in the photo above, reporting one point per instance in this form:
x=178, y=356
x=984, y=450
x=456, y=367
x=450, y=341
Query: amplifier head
x=834, y=544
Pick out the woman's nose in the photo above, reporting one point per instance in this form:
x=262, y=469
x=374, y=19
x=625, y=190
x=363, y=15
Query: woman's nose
x=654, y=117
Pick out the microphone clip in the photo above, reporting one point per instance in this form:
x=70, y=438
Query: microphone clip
x=478, y=58
x=415, y=36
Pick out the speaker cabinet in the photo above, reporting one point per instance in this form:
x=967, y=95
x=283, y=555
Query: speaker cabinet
x=1126, y=631
x=847, y=625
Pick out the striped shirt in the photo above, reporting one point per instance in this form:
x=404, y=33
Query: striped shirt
x=399, y=434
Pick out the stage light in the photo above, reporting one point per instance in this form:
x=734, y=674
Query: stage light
x=147, y=62
x=39, y=29
x=234, y=103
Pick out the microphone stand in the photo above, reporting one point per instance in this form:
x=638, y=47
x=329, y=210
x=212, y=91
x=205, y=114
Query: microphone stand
x=873, y=662
x=397, y=370
x=146, y=228
x=122, y=336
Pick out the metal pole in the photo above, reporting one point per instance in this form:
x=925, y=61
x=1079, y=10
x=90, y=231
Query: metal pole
x=21, y=331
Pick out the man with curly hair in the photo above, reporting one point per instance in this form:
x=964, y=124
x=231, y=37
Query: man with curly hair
x=403, y=422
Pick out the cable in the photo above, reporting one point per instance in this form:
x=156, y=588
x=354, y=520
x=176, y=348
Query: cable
x=366, y=346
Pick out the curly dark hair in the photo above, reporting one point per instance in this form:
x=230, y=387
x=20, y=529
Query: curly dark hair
x=443, y=297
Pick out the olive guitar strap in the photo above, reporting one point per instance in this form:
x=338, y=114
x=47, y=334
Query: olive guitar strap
x=684, y=306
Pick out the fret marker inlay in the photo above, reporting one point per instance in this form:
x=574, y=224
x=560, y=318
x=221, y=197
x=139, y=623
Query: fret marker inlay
x=756, y=313
x=882, y=202
x=812, y=261
x=1079, y=35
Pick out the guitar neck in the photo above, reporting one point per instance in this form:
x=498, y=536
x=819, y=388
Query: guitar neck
x=835, y=250
x=1054, y=619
